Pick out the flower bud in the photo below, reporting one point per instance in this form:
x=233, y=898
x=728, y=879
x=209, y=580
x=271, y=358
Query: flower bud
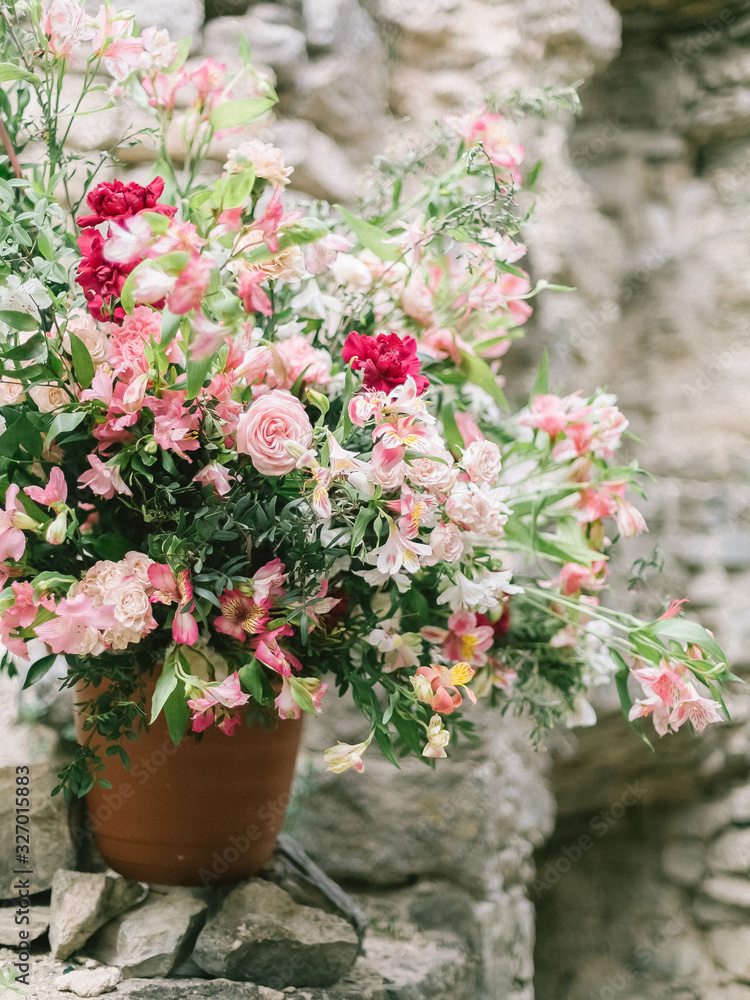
x=57, y=529
x=422, y=688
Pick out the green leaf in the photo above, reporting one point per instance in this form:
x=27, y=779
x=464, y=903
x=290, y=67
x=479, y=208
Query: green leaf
x=45, y=247
x=164, y=687
x=386, y=746
x=452, y=434
x=364, y=517
x=170, y=324
x=18, y=320
x=479, y=373
x=183, y=51
x=159, y=223
x=372, y=237
x=683, y=630
x=52, y=580
x=253, y=679
x=38, y=669
x=82, y=363
x=244, y=50
x=233, y=114
x=10, y=71
x=111, y=545
x=177, y=713
x=196, y=375
x=63, y=423
x=540, y=385
x=238, y=188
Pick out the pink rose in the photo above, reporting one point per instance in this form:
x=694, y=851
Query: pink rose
x=264, y=430
x=482, y=461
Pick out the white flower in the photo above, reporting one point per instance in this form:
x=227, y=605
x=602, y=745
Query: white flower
x=27, y=297
x=482, y=594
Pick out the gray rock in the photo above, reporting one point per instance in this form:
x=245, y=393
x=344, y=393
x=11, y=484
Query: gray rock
x=34, y=746
x=272, y=44
x=684, y=861
x=153, y=938
x=82, y=903
x=322, y=168
x=295, y=872
x=261, y=935
x=730, y=852
x=89, y=982
x=740, y=804
x=731, y=946
x=195, y=989
x=38, y=924
x=729, y=891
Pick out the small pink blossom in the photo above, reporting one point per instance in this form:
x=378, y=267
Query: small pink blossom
x=65, y=24
x=287, y=706
x=217, y=475
x=482, y=462
x=192, y=285
x=175, y=588
x=630, y=521
x=268, y=581
x=214, y=704
x=76, y=629
x=445, y=683
x=13, y=522
x=54, y=494
x=104, y=480
x=128, y=241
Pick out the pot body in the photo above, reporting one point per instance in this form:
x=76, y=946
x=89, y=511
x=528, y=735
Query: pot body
x=205, y=812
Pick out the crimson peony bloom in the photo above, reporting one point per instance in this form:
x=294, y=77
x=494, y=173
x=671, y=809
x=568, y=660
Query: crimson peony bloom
x=101, y=280
x=115, y=200
x=387, y=360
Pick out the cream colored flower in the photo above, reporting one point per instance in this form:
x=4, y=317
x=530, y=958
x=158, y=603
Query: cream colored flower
x=437, y=738
x=345, y=755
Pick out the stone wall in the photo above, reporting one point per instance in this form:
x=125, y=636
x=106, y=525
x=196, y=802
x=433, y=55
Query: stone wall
x=643, y=208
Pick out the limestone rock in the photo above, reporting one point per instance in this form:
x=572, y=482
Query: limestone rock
x=82, y=903
x=295, y=872
x=729, y=891
x=38, y=924
x=740, y=804
x=272, y=44
x=731, y=946
x=37, y=747
x=321, y=168
x=684, y=861
x=89, y=982
x=589, y=26
x=730, y=852
x=153, y=938
x=345, y=95
x=261, y=935
x=196, y=989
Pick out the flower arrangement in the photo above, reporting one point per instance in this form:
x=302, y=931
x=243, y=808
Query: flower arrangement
x=264, y=450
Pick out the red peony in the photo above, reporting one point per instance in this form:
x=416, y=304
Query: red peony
x=386, y=360
x=100, y=279
x=115, y=200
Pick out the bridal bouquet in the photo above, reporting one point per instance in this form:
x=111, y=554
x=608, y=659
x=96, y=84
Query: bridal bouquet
x=260, y=448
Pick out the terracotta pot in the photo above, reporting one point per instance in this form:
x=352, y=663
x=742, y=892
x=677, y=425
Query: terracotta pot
x=202, y=813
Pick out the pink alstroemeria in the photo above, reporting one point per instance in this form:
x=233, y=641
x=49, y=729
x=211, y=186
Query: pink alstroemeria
x=208, y=337
x=254, y=298
x=272, y=219
x=241, y=615
x=675, y=606
x=319, y=256
x=464, y=640
x=175, y=588
x=150, y=285
x=445, y=682
x=192, y=285
x=54, y=494
x=398, y=437
x=214, y=705
x=13, y=522
x=104, y=480
x=77, y=628
x=175, y=427
x=21, y=614
x=162, y=89
x=179, y=236
x=573, y=577
x=367, y=406
x=398, y=551
x=268, y=651
x=268, y=581
x=699, y=711
x=228, y=222
x=65, y=24
x=102, y=387
x=217, y=475
x=128, y=241
x=417, y=510
x=286, y=704
x=630, y=521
